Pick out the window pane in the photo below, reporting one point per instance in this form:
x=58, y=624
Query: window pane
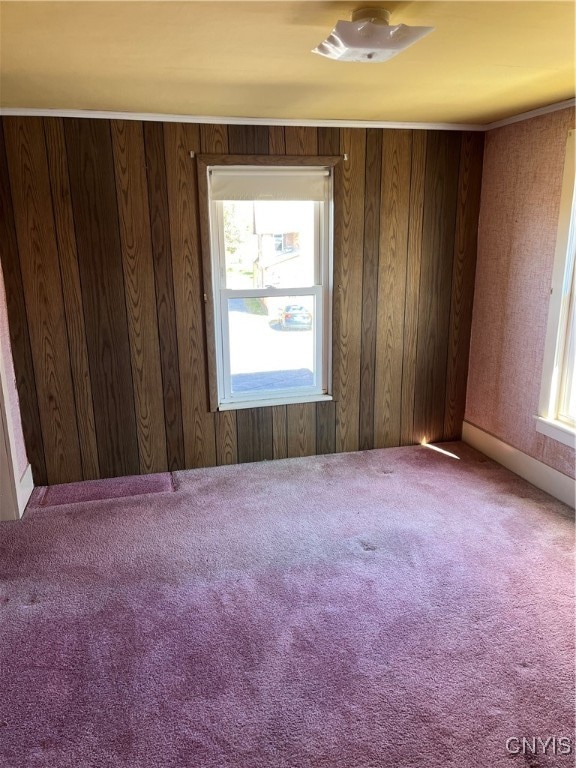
x=567, y=405
x=271, y=344
x=269, y=244
x=568, y=402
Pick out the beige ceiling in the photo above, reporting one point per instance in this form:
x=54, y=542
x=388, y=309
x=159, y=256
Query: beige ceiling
x=485, y=60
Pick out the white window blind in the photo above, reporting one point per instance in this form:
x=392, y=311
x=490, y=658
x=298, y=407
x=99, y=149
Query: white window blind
x=256, y=183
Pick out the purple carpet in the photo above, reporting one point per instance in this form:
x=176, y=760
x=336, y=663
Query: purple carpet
x=397, y=608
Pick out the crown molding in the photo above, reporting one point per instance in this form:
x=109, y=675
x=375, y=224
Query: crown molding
x=227, y=120
x=231, y=120
x=556, y=107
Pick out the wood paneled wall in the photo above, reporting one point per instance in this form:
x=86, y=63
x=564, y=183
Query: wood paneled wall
x=100, y=249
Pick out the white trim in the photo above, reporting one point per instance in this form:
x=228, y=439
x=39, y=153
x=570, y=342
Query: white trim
x=24, y=489
x=264, y=403
x=14, y=491
x=556, y=107
x=541, y=475
x=271, y=292
x=556, y=430
x=233, y=120
x=560, y=292
x=319, y=291
x=8, y=500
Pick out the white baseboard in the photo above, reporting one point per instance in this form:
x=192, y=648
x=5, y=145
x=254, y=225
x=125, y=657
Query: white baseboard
x=24, y=489
x=541, y=475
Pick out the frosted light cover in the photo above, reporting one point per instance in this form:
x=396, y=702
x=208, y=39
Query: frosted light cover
x=369, y=42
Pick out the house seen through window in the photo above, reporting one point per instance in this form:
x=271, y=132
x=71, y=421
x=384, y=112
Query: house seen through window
x=270, y=244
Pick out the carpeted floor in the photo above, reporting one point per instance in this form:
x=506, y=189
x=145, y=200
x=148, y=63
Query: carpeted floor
x=386, y=608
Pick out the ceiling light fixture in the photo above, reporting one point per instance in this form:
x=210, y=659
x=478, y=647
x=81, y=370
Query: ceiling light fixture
x=369, y=37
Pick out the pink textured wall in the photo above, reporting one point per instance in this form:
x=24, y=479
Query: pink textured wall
x=521, y=186
x=12, y=405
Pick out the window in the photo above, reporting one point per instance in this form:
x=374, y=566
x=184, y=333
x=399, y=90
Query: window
x=267, y=242
x=557, y=412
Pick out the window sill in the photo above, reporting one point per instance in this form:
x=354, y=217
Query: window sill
x=556, y=430
x=274, y=401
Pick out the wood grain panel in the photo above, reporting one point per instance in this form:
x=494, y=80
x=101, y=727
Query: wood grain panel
x=18, y=322
x=279, y=432
x=255, y=434
x=348, y=251
x=226, y=438
x=301, y=140
x=329, y=141
x=394, y=219
x=301, y=429
x=92, y=187
x=123, y=235
x=140, y=293
x=198, y=422
x=214, y=138
x=325, y=427
x=370, y=286
x=29, y=177
x=248, y=139
x=412, y=286
x=72, y=295
x=463, y=274
x=440, y=190
x=276, y=140
x=165, y=309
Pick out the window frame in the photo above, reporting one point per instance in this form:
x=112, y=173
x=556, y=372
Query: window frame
x=561, y=310
x=213, y=311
